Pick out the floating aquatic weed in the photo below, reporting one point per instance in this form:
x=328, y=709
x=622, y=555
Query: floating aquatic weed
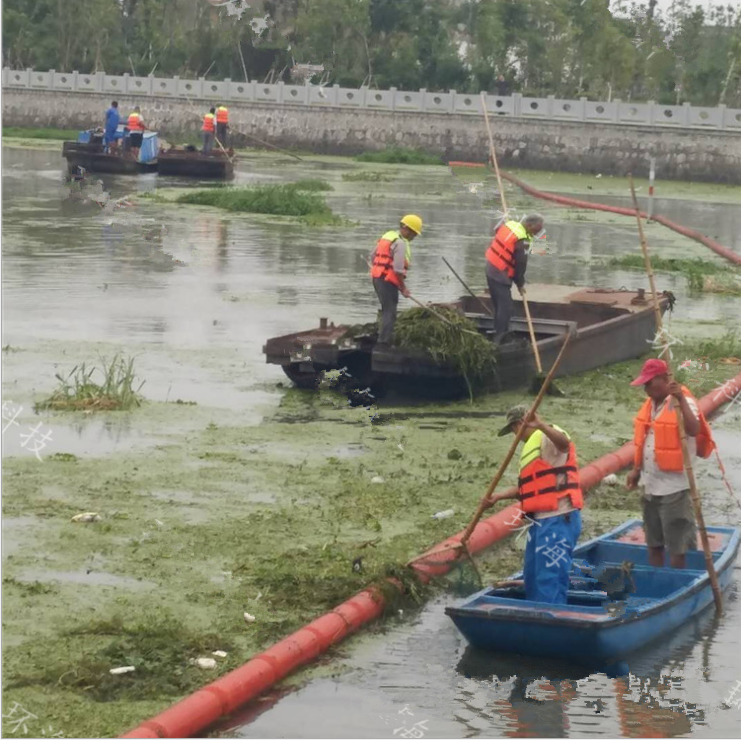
x=80, y=391
x=453, y=343
x=400, y=155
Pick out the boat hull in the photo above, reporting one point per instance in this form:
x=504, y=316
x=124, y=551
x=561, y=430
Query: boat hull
x=215, y=165
x=589, y=634
x=93, y=158
x=605, y=327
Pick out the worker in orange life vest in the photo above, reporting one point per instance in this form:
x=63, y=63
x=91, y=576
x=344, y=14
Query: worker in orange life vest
x=222, y=124
x=391, y=260
x=551, y=498
x=668, y=515
x=209, y=129
x=137, y=128
x=506, y=262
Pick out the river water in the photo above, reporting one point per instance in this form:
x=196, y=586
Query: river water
x=195, y=304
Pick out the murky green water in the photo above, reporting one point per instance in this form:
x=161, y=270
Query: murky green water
x=196, y=305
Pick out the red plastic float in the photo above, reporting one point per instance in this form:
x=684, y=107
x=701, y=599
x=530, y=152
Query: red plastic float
x=226, y=694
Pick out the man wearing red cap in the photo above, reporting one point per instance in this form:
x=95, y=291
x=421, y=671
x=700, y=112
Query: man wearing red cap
x=668, y=516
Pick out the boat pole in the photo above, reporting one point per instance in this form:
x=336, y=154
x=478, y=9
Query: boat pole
x=682, y=432
x=513, y=447
x=493, y=154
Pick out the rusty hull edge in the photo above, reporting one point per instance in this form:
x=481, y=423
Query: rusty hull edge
x=205, y=706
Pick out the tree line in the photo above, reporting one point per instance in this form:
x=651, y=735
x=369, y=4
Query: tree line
x=600, y=49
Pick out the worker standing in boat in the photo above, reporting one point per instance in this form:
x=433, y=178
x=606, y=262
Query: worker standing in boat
x=208, y=129
x=222, y=124
x=137, y=128
x=506, y=262
x=112, y=119
x=668, y=516
x=391, y=259
x=550, y=496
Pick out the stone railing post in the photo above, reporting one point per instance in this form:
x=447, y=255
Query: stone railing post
x=517, y=104
x=125, y=82
x=651, y=112
x=722, y=113
x=281, y=91
x=686, y=114
x=75, y=77
x=423, y=98
x=176, y=83
x=393, y=98
x=582, y=108
x=550, y=105
x=29, y=72
x=51, y=73
x=227, y=88
x=5, y=76
x=452, y=101
x=616, y=114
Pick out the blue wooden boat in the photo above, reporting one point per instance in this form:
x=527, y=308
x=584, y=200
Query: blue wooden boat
x=608, y=614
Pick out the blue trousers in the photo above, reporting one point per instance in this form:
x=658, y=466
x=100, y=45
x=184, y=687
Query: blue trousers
x=548, y=556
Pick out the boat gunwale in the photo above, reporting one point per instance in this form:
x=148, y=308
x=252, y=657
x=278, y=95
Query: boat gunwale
x=538, y=615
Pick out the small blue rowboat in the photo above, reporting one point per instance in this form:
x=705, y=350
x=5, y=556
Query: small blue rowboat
x=617, y=603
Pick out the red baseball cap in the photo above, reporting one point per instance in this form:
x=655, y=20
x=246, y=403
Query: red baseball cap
x=651, y=368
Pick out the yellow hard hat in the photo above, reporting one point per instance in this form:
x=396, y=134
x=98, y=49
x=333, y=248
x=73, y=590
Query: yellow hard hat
x=413, y=222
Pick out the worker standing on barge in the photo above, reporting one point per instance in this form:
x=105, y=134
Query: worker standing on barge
x=391, y=260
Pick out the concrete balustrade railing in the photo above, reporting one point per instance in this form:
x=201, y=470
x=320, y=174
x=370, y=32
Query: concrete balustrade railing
x=516, y=105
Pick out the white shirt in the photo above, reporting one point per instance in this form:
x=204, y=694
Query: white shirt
x=658, y=482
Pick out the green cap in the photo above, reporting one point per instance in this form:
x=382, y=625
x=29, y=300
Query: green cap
x=515, y=414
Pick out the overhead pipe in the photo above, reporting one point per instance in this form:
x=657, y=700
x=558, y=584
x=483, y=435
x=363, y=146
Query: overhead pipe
x=223, y=696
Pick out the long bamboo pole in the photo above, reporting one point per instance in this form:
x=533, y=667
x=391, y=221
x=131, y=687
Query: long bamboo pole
x=465, y=285
x=493, y=154
x=682, y=432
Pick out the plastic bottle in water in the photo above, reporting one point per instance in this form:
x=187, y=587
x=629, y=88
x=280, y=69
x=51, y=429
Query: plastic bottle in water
x=444, y=514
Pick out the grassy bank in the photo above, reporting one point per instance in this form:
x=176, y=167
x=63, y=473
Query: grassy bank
x=53, y=134
x=268, y=520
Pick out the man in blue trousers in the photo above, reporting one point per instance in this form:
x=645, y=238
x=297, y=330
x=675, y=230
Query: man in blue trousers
x=112, y=118
x=550, y=496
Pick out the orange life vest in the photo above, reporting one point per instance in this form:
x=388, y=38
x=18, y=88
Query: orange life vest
x=222, y=114
x=383, y=261
x=208, y=123
x=501, y=251
x=135, y=122
x=667, y=445
x=538, y=487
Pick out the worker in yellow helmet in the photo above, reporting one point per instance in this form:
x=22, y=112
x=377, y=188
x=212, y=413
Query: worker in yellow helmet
x=391, y=260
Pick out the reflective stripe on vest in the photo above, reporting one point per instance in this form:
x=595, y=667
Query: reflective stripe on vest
x=383, y=261
x=667, y=445
x=208, y=123
x=134, y=122
x=501, y=251
x=538, y=485
x=222, y=114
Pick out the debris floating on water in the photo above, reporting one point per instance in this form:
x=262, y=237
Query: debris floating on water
x=248, y=617
x=219, y=653
x=205, y=663
x=122, y=669
x=88, y=516
x=377, y=479
x=444, y=514
x=610, y=480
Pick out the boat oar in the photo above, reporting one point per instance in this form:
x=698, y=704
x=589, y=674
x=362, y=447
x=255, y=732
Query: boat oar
x=682, y=432
x=441, y=317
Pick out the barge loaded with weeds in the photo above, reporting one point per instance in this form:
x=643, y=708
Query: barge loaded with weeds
x=432, y=358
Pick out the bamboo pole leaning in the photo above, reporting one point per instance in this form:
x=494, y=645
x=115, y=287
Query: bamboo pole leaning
x=697, y=505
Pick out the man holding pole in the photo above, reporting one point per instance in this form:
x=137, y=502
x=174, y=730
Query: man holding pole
x=389, y=266
x=506, y=262
x=550, y=495
x=668, y=516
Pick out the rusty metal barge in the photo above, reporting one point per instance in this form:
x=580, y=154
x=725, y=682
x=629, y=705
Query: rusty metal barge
x=609, y=326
